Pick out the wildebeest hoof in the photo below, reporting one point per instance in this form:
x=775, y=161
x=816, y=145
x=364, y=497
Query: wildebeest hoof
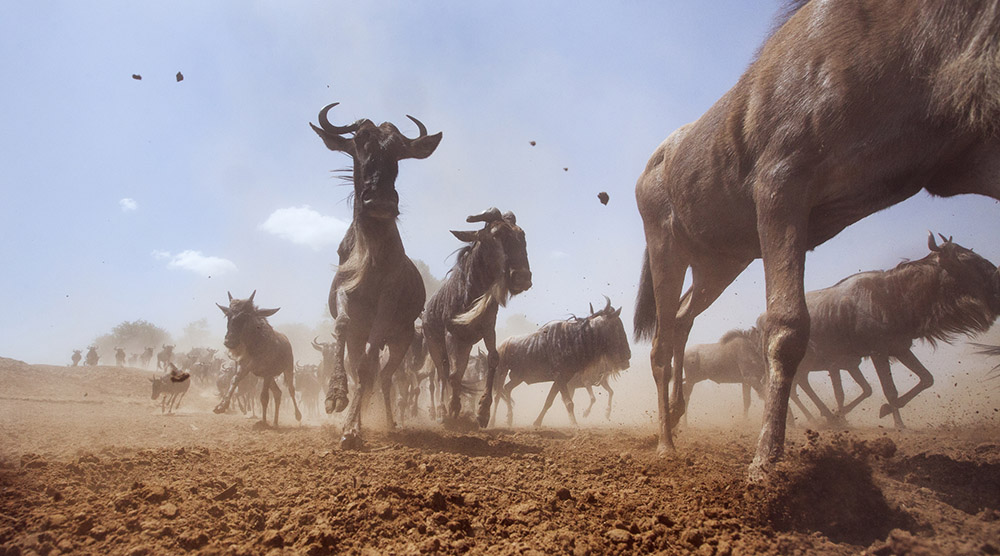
x=483, y=419
x=298, y=415
x=260, y=425
x=337, y=404
x=884, y=410
x=350, y=441
x=220, y=408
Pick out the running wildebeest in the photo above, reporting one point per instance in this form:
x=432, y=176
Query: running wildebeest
x=247, y=389
x=411, y=374
x=308, y=386
x=849, y=108
x=120, y=356
x=92, y=357
x=381, y=288
x=259, y=350
x=492, y=267
x=172, y=386
x=878, y=314
x=564, y=353
x=146, y=357
x=735, y=359
x=77, y=356
x=165, y=357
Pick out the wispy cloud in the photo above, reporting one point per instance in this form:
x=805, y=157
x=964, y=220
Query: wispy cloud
x=559, y=254
x=305, y=226
x=196, y=262
x=127, y=204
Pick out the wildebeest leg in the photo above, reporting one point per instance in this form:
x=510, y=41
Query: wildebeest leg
x=567, y=398
x=881, y=364
x=593, y=400
x=437, y=348
x=786, y=329
x=838, y=389
x=336, y=390
x=746, y=400
x=926, y=380
x=241, y=372
x=276, y=395
x=508, y=390
x=290, y=385
x=548, y=403
x=708, y=281
x=611, y=395
x=866, y=389
x=802, y=380
x=462, y=352
x=265, y=393
x=794, y=397
x=397, y=351
x=367, y=370
x=177, y=404
x=492, y=366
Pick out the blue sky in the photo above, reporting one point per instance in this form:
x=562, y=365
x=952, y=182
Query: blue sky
x=126, y=199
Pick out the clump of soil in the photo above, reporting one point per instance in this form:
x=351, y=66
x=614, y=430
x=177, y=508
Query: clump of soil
x=827, y=486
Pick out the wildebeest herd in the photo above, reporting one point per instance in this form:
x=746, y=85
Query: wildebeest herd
x=848, y=108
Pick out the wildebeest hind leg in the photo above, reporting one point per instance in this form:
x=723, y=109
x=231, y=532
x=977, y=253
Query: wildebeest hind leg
x=926, y=380
x=611, y=396
x=548, y=403
x=567, y=398
x=272, y=384
x=290, y=385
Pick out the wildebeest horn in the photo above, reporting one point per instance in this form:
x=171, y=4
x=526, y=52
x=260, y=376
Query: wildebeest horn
x=490, y=215
x=608, y=306
x=420, y=126
x=230, y=296
x=324, y=122
x=250, y=299
x=943, y=239
x=591, y=308
x=931, y=243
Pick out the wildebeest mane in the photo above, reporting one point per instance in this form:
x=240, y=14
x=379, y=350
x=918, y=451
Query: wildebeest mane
x=466, y=276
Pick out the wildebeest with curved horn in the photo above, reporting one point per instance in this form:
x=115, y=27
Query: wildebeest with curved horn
x=259, y=350
x=568, y=353
x=849, y=108
x=491, y=267
x=381, y=288
x=878, y=314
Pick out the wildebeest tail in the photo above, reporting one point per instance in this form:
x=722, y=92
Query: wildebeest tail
x=644, y=322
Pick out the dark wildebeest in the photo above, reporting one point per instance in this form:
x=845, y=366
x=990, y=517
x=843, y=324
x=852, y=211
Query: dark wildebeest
x=381, y=288
x=92, y=357
x=259, y=350
x=411, y=375
x=308, y=386
x=564, y=353
x=77, y=356
x=120, y=356
x=492, y=267
x=878, y=314
x=165, y=357
x=849, y=108
x=146, y=357
x=735, y=359
x=172, y=386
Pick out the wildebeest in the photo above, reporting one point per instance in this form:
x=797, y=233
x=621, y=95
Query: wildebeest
x=92, y=357
x=849, y=108
x=411, y=374
x=120, y=356
x=259, y=350
x=247, y=389
x=562, y=351
x=308, y=386
x=77, y=356
x=171, y=386
x=165, y=357
x=734, y=359
x=146, y=357
x=491, y=267
x=381, y=288
x=878, y=314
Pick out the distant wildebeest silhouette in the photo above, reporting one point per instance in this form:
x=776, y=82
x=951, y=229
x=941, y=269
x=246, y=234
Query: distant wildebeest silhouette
x=120, y=356
x=92, y=357
x=571, y=354
x=848, y=108
x=146, y=357
x=381, y=289
x=77, y=356
x=260, y=350
x=878, y=314
x=165, y=356
x=491, y=267
x=734, y=359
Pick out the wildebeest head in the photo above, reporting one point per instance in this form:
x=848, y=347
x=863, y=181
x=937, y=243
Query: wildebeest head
x=976, y=275
x=502, y=234
x=609, y=320
x=376, y=151
x=241, y=315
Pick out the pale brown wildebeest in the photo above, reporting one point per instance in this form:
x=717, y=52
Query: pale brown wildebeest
x=849, y=108
x=381, y=288
x=734, y=359
x=76, y=357
x=492, y=267
x=259, y=350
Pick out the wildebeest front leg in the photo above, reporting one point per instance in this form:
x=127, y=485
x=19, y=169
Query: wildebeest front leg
x=336, y=390
x=265, y=393
x=492, y=363
x=548, y=403
x=397, y=351
x=290, y=385
x=241, y=372
x=926, y=380
x=367, y=369
x=462, y=351
x=437, y=348
x=611, y=396
x=866, y=389
x=593, y=400
x=567, y=398
x=276, y=394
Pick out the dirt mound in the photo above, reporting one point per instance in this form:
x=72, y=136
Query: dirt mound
x=827, y=486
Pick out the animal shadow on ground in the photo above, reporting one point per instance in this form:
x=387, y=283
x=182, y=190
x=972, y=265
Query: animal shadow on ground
x=969, y=486
x=469, y=445
x=827, y=486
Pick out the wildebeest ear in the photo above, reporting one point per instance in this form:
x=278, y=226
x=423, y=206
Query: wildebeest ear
x=489, y=215
x=225, y=311
x=423, y=147
x=465, y=236
x=267, y=312
x=618, y=312
x=336, y=142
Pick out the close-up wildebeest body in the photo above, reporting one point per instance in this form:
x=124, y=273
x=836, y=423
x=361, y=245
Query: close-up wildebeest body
x=849, y=108
x=878, y=315
x=381, y=288
x=258, y=350
x=491, y=267
x=571, y=354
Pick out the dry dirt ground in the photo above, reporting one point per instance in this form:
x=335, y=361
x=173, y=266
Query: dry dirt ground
x=88, y=465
